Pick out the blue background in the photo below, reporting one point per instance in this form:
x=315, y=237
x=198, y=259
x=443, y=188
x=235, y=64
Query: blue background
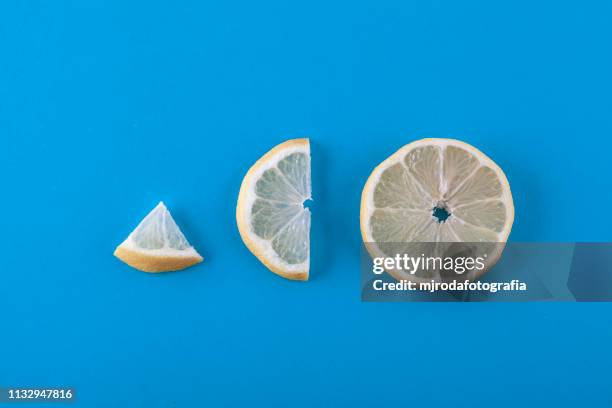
x=107, y=107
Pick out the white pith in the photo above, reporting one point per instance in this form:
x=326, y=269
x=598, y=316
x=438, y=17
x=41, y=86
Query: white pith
x=162, y=252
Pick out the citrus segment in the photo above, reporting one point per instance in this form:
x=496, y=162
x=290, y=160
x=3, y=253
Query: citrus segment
x=157, y=244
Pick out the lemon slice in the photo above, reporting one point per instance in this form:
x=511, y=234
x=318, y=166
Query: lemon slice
x=271, y=217
x=439, y=191
x=157, y=245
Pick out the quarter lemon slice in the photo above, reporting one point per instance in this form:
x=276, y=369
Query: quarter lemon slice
x=271, y=217
x=439, y=191
x=157, y=245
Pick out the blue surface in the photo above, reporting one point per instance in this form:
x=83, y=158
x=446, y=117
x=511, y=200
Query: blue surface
x=107, y=107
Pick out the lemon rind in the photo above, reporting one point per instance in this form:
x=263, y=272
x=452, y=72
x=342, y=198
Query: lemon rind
x=147, y=261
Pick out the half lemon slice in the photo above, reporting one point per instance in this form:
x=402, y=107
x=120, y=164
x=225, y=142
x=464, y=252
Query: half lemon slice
x=271, y=217
x=157, y=245
x=437, y=191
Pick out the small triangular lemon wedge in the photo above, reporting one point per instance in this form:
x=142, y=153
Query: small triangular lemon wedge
x=157, y=245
